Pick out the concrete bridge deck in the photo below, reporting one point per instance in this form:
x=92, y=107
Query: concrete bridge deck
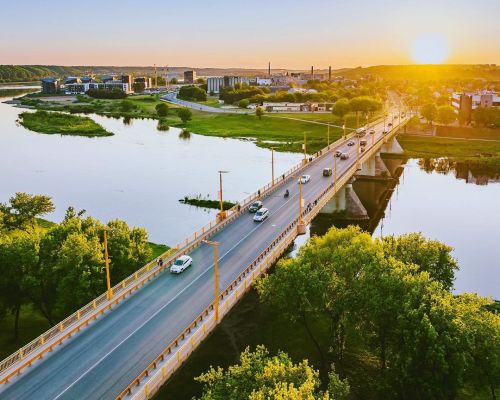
x=100, y=360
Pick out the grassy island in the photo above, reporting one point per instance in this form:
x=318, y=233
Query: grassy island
x=206, y=203
x=61, y=123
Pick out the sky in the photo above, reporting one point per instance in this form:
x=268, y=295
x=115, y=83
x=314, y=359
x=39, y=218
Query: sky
x=293, y=34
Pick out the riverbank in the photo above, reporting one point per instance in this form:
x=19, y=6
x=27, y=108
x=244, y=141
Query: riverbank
x=61, y=123
x=207, y=203
x=285, y=132
x=481, y=152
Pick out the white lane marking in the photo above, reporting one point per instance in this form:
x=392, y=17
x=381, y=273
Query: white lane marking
x=168, y=303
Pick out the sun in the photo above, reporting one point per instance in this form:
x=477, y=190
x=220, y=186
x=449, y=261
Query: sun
x=430, y=49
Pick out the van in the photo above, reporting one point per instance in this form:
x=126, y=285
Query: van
x=361, y=131
x=327, y=172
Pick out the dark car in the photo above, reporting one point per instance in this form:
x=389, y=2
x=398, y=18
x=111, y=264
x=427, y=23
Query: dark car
x=255, y=206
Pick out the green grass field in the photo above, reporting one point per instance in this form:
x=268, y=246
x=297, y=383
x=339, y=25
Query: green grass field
x=482, y=152
x=61, y=123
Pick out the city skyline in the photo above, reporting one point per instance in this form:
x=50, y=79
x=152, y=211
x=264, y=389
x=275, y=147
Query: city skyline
x=290, y=34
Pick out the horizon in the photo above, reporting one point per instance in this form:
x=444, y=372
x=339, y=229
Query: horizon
x=340, y=34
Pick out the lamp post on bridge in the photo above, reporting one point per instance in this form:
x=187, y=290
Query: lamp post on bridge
x=106, y=260
x=301, y=227
x=215, y=245
x=328, y=136
x=222, y=214
x=272, y=165
x=334, y=172
x=304, y=147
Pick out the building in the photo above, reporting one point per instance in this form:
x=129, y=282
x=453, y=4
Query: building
x=141, y=83
x=465, y=103
x=127, y=79
x=86, y=79
x=107, y=78
x=264, y=81
x=189, y=76
x=50, y=86
x=71, y=79
x=82, y=88
x=296, y=107
x=215, y=83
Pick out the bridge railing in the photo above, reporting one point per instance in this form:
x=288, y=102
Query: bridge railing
x=165, y=364
x=81, y=318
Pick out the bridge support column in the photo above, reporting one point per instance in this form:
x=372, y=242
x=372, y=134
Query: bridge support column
x=336, y=204
x=392, y=146
x=354, y=208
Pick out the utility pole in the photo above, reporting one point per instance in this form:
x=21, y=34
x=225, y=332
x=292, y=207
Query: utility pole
x=222, y=213
x=304, y=146
x=216, y=277
x=272, y=165
x=106, y=259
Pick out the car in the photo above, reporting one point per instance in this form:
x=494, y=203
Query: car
x=362, y=149
x=338, y=153
x=255, y=206
x=385, y=132
x=305, y=178
x=327, y=172
x=350, y=143
x=181, y=264
x=261, y=215
x=344, y=156
x=362, y=142
x=372, y=132
x=389, y=124
x=360, y=131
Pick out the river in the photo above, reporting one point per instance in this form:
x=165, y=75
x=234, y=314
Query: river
x=140, y=173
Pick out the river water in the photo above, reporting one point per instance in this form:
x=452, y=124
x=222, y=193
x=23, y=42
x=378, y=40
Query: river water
x=140, y=173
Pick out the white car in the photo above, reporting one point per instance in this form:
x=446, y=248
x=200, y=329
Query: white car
x=261, y=215
x=350, y=143
x=181, y=264
x=305, y=178
x=344, y=156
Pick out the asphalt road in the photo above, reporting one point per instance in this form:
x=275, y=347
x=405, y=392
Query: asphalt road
x=103, y=359
x=172, y=98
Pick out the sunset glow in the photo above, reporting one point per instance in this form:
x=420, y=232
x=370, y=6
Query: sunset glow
x=430, y=49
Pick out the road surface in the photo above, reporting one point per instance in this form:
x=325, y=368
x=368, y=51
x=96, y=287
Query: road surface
x=103, y=359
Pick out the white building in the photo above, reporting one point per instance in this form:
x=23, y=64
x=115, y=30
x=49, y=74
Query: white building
x=264, y=81
x=82, y=88
x=215, y=83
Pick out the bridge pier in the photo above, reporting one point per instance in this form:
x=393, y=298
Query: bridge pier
x=392, y=146
x=346, y=202
x=374, y=167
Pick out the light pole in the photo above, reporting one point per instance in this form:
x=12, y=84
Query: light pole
x=328, y=136
x=272, y=164
x=222, y=213
x=334, y=172
x=301, y=201
x=215, y=245
x=106, y=260
x=343, y=127
x=304, y=147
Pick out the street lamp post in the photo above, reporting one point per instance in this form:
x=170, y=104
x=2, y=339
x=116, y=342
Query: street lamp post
x=304, y=146
x=222, y=213
x=106, y=260
x=334, y=172
x=301, y=226
x=215, y=245
x=272, y=165
x=328, y=136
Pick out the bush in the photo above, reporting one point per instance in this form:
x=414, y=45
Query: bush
x=192, y=93
x=184, y=114
x=243, y=103
x=127, y=106
x=162, y=109
x=106, y=94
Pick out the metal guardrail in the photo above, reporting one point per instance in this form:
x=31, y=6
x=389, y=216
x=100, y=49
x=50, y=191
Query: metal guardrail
x=204, y=322
x=25, y=356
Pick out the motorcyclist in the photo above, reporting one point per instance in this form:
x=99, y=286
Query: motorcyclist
x=287, y=193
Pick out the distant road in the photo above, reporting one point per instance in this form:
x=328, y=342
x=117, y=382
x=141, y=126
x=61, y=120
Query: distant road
x=172, y=98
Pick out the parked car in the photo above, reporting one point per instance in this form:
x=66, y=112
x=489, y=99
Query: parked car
x=305, y=178
x=338, y=153
x=181, y=264
x=261, y=215
x=344, y=156
x=350, y=143
x=362, y=142
x=372, y=132
x=255, y=206
x=327, y=172
x=389, y=124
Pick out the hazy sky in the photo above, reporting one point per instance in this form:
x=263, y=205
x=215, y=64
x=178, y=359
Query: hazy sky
x=222, y=33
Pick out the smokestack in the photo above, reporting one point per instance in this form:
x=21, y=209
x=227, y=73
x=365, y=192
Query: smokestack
x=330, y=73
x=312, y=73
x=269, y=69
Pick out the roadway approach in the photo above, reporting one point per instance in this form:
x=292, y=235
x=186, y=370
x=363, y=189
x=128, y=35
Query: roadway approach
x=101, y=360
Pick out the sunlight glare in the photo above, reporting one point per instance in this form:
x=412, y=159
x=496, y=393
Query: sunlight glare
x=430, y=49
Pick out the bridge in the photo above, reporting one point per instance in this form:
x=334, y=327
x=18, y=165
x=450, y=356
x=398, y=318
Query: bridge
x=127, y=345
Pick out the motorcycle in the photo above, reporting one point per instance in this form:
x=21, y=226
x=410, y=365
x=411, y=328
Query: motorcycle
x=287, y=194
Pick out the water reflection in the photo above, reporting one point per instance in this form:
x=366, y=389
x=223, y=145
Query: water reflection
x=470, y=172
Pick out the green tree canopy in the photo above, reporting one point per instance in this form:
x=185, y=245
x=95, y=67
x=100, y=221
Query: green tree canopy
x=445, y=114
x=23, y=209
x=185, y=114
x=162, y=109
x=429, y=112
x=341, y=107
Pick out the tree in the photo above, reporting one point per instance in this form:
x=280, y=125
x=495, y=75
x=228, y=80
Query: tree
x=243, y=103
x=18, y=255
x=184, y=114
x=127, y=106
x=428, y=255
x=341, y=107
x=23, y=209
x=259, y=112
x=192, y=92
x=445, y=114
x=174, y=81
x=429, y=112
x=260, y=376
x=162, y=109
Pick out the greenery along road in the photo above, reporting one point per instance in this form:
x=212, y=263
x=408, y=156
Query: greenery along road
x=48, y=270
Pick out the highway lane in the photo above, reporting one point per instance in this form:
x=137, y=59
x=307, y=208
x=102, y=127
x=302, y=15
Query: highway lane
x=102, y=360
